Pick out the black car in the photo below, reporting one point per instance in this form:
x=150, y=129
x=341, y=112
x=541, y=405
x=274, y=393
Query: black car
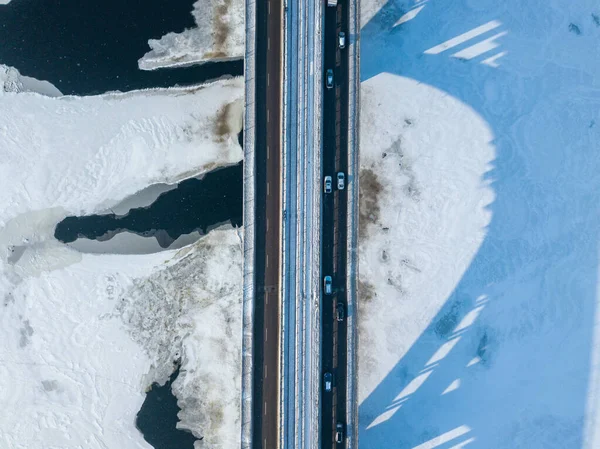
x=339, y=311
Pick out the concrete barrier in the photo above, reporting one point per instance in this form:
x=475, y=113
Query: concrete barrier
x=353, y=217
x=249, y=213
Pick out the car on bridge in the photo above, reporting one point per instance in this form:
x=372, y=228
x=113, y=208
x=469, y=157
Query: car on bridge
x=327, y=183
x=328, y=381
x=339, y=433
x=339, y=311
x=329, y=79
x=328, y=285
x=342, y=40
x=341, y=181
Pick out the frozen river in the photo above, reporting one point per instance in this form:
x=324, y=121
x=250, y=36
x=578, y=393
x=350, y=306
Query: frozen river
x=86, y=48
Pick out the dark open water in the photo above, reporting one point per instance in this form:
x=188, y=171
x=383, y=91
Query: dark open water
x=87, y=47
x=158, y=417
x=195, y=205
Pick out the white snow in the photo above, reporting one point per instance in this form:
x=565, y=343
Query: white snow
x=12, y=81
x=111, y=145
x=70, y=374
x=192, y=309
x=479, y=251
x=85, y=334
x=218, y=36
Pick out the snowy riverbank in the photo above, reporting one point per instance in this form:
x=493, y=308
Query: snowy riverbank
x=85, y=334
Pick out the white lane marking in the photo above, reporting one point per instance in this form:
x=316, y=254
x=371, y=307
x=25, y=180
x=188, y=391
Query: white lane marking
x=268, y=188
x=268, y=152
x=268, y=78
x=269, y=8
x=266, y=333
x=267, y=260
x=265, y=415
x=268, y=43
x=267, y=225
x=268, y=116
x=266, y=369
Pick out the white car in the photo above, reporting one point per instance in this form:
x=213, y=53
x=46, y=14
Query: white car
x=342, y=40
x=339, y=433
x=341, y=181
x=328, y=381
x=329, y=79
x=327, y=182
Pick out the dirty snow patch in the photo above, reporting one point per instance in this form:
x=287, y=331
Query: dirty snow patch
x=218, y=36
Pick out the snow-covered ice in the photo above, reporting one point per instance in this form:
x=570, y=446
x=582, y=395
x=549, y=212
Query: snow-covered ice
x=192, y=309
x=480, y=220
x=105, y=148
x=12, y=81
x=85, y=334
x=218, y=36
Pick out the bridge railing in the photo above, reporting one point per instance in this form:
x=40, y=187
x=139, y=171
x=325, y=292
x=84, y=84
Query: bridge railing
x=352, y=220
x=248, y=294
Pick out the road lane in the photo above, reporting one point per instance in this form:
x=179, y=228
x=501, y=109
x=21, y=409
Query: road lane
x=334, y=232
x=267, y=224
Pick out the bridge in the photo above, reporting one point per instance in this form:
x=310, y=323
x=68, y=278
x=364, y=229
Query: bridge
x=296, y=132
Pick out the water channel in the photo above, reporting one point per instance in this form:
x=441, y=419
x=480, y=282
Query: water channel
x=195, y=205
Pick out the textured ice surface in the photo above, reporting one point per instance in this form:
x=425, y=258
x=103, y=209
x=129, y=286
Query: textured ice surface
x=85, y=334
x=12, y=81
x=218, y=36
x=192, y=310
x=86, y=154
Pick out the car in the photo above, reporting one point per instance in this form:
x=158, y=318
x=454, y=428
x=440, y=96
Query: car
x=328, y=381
x=339, y=433
x=342, y=40
x=339, y=311
x=327, y=285
x=329, y=79
x=341, y=181
x=327, y=184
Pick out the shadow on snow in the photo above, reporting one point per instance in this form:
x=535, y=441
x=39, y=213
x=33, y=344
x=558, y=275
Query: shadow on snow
x=530, y=291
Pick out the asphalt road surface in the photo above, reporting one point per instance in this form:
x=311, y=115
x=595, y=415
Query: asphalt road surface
x=267, y=224
x=333, y=252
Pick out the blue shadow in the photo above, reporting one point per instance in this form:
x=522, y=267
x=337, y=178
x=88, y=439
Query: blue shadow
x=536, y=271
